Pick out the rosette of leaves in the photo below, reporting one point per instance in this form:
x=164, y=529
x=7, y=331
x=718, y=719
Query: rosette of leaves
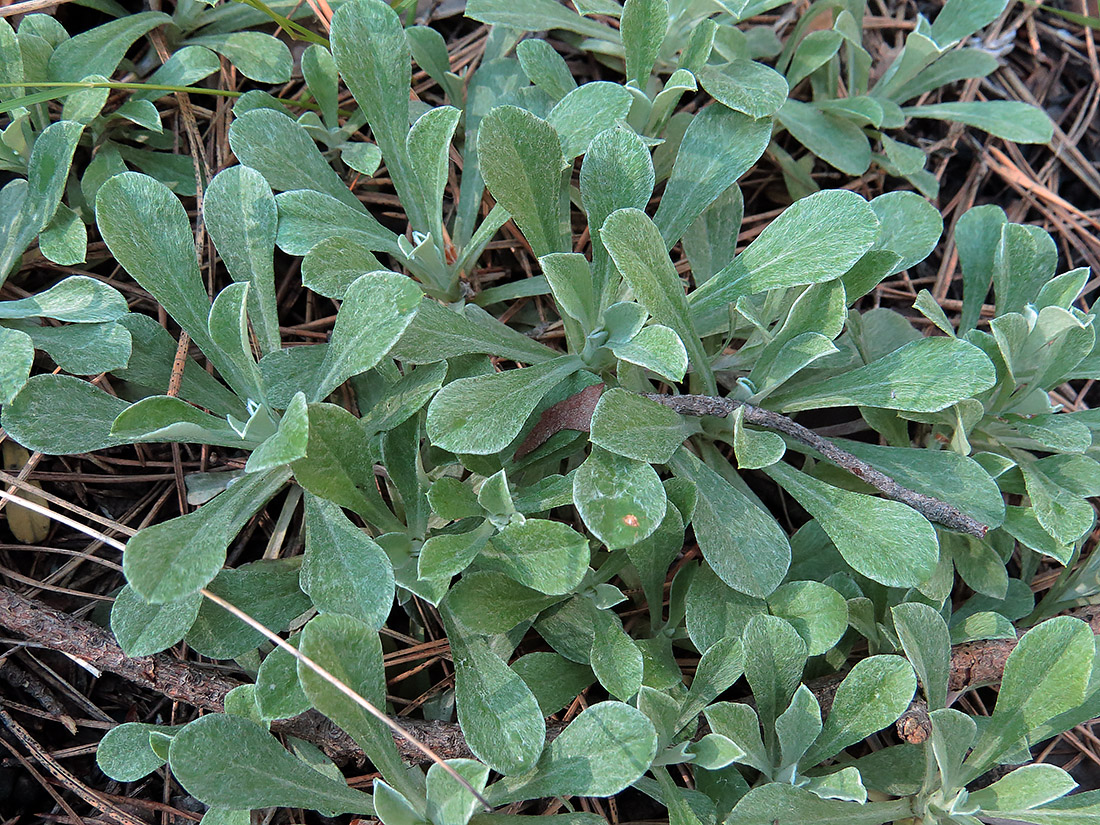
x=1038, y=339
x=699, y=45
x=478, y=462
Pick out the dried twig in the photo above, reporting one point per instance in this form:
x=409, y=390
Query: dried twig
x=930, y=507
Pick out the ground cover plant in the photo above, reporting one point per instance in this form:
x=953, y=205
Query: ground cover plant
x=584, y=485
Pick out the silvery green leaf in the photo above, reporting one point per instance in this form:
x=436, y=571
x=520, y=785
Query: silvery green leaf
x=537, y=15
x=1025, y=788
x=267, y=590
x=884, y=540
x=981, y=626
x=307, y=217
x=331, y=266
x=908, y=225
x=548, y=556
x=652, y=558
x=740, y=724
x=609, y=746
x=448, y=554
x=482, y=415
x=585, y=112
x=952, y=736
x=372, y=53
x=836, y=140
x=977, y=563
x=377, y=308
x=719, y=667
x=620, y=500
x=147, y=230
x=428, y=144
x=452, y=500
x=326, y=640
x=1066, y=517
x=284, y=153
x=429, y=51
x=1062, y=290
x=639, y=253
x=745, y=86
x=616, y=173
x=636, y=427
x=99, y=50
x=942, y=473
x=64, y=240
x=165, y=418
x=718, y=147
x=775, y=656
x=715, y=611
x=642, y=26
x=62, y=415
x=124, y=753
x=615, y=658
x=797, y=727
x=279, y=693
x=570, y=278
x=438, y=332
x=186, y=67
x=256, y=55
x=958, y=19
x=741, y=543
x=28, y=207
x=239, y=213
x=339, y=466
x=16, y=358
x=392, y=808
x=320, y=75
x=658, y=349
x=906, y=160
x=1008, y=119
x=143, y=629
x=488, y=602
x=498, y=713
x=217, y=815
x=170, y=560
x=715, y=751
x=804, y=806
x=926, y=375
x=815, y=610
x=1077, y=809
x=845, y=784
x=553, y=679
x=927, y=645
x=232, y=762
x=711, y=241
x=545, y=67
x=227, y=326
x=816, y=239
x=1023, y=262
x=1046, y=674
x=521, y=159
x=11, y=63
x=450, y=803
x=344, y=571
x=755, y=449
x=813, y=51
x=873, y=695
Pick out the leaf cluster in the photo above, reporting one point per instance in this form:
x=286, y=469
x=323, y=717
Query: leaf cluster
x=532, y=508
